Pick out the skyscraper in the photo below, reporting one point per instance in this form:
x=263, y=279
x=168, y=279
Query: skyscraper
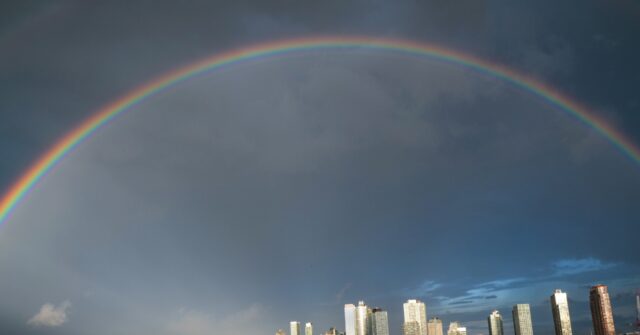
x=560, y=309
x=495, y=323
x=522, y=319
x=434, y=326
x=280, y=332
x=379, y=322
x=415, y=318
x=295, y=327
x=601, y=313
x=455, y=328
x=350, y=319
x=411, y=328
x=638, y=309
x=357, y=319
x=363, y=325
x=308, y=328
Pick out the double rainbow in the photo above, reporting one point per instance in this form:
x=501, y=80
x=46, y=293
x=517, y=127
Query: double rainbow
x=30, y=178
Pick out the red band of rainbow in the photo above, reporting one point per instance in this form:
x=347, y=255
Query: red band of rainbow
x=30, y=178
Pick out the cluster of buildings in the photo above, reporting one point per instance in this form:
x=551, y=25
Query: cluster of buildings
x=363, y=320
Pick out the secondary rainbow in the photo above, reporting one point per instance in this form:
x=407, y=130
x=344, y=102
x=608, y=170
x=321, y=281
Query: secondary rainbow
x=42, y=165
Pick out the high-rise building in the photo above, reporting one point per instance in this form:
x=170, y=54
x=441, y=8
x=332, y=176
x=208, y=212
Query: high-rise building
x=415, y=318
x=638, y=309
x=294, y=327
x=357, y=319
x=411, y=328
x=560, y=309
x=495, y=323
x=333, y=331
x=601, y=313
x=308, y=328
x=350, y=319
x=522, y=319
x=455, y=328
x=379, y=322
x=363, y=325
x=434, y=326
x=281, y=332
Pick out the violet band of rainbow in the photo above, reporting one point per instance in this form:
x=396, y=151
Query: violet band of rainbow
x=29, y=179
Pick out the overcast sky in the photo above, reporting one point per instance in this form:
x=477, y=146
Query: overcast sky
x=282, y=189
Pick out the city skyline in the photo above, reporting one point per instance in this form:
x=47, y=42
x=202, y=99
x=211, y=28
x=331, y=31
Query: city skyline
x=413, y=309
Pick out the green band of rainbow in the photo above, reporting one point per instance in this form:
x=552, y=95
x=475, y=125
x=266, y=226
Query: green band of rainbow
x=31, y=177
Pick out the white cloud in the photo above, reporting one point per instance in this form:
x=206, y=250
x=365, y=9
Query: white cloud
x=426, y=288
x=574, y=266
x=502, y=282
x=50, y=315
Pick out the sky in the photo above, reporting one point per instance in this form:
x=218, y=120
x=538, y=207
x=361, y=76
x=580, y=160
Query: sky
x=284, y=188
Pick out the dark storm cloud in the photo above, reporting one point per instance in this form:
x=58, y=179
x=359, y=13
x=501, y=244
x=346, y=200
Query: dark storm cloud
x=266, y=188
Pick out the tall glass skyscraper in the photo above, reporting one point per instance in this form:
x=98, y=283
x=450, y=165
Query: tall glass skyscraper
x=601, y=313
x=560, y=309
x=415, y=318
x=350, y=319
x=363, y=325
x=357, y=319
x=495, y=323
x=294, y=327
x=379, y=322
x=522, y=319
x=434, y=326
x=308, y=328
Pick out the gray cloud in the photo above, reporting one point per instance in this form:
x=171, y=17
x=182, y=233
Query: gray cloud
x=194, y=322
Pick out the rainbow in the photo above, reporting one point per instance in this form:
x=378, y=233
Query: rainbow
x=46, y=162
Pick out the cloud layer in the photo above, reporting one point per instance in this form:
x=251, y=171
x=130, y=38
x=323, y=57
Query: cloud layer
x=281, y=180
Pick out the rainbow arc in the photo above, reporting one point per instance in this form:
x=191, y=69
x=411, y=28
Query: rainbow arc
x=29, y=179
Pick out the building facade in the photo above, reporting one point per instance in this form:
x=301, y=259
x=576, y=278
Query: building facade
x=434, y=326
x=638, y=310
x=455, y=328
x=522, y=319
x=308, y=328
x=601, y=313
x=294, y=327
x=495, y=323
x=333, y=331
x=415, y=317
x=560, y=310
x=379, y=322
x=357, y=319
x=281, y=332
x=363, y=323
x=350, y=319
